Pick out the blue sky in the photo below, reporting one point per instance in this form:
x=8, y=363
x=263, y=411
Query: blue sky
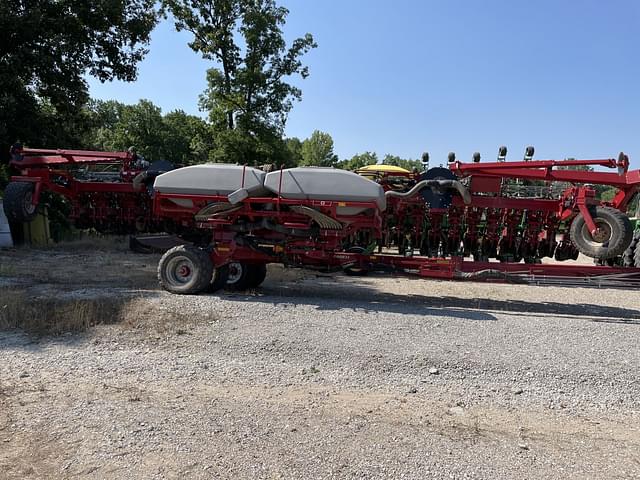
x=407, y=76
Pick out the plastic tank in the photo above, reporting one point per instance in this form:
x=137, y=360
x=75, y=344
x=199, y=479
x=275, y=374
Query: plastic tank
x=217, y=179
x=314, y=183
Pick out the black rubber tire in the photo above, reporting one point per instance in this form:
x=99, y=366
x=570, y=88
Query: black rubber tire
x=636, y=258
x=17, y=202
x=257, y=274
x=239, y=276
x=357, y=271
x=620, y=233
x=219, y=278
x=185, y=269
x=628, y=257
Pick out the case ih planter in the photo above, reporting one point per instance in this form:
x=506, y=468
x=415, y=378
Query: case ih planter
x=234, y=220
x=240, y=219
x=107, y=191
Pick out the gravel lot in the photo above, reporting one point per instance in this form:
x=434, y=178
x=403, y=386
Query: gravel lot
x=316, y=376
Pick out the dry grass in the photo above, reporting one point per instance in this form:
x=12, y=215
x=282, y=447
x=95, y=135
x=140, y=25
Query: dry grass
x=94, y=242
x=48, y=316
x=53, y=316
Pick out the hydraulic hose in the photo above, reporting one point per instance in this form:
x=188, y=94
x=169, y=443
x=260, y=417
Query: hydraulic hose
x=455, y=184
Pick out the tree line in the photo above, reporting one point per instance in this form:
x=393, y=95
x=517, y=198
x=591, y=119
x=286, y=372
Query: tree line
x=189, y=139
x=49, y=46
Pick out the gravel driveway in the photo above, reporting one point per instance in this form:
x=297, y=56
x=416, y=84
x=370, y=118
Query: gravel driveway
x=314, y=376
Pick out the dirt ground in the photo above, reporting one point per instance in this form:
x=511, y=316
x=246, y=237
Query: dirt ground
x=310, y=376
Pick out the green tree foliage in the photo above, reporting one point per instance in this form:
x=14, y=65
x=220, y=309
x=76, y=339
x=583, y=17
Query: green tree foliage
x=140, y=126
x=294, y=148
x=317, y=150
x=607, y=194
x=248, y=97
x=358, y=161
x=177, y=137
x=47, y=48
x=408, y=164
x=188, y=139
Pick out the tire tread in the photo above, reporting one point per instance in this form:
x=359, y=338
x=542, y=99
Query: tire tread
x=201, y=260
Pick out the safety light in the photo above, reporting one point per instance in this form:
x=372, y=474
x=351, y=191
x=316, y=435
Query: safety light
x=502, y=153
x=528, y=153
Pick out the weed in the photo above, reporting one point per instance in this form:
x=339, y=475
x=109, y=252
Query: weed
x=55, y=316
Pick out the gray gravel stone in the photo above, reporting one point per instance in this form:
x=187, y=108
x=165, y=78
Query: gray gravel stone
x=227, y=398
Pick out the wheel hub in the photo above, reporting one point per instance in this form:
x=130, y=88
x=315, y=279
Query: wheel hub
x=184, y=271
x=235, y=272
x=180, y=270
x=601, y=235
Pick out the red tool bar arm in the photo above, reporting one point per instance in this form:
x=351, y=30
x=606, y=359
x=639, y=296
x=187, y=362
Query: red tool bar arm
x=472, y=167
x=76, y=153
x=32, y=157
x=543, y=170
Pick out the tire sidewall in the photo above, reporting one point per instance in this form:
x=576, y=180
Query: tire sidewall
x=614, y=246
x=199, y=262
x=15, y=199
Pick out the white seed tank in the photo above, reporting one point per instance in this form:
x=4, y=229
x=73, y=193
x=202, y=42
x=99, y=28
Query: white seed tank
x=211, y=179
x=314, y=183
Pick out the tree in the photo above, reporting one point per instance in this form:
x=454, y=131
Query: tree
x=402, y=162
x=359, y=160
x=104, y=117
x=294, y=147
x=47, y=48
x=187, y=139
x=248, y=97
x=140, y=126
x=317, y=150
x=177, y=137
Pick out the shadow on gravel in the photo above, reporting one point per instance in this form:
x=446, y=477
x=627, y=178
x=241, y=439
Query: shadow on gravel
x=366, y=298
x=362, y=298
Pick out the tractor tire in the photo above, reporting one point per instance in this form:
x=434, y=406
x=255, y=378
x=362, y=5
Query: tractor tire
x=615, y=237
x=219, y=278
x=628, y=257
x=627, y=260
x=185, y=269
x=17, y=202
x=257, y=274
x=239, y=276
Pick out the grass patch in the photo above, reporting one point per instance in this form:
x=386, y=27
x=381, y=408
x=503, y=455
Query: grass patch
x=48, y=316
x=55, y=316
x=89, y=241
x=7, y=270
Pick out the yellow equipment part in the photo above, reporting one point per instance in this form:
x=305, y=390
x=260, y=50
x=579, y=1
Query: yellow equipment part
x=381, y=168
x=37, y=232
